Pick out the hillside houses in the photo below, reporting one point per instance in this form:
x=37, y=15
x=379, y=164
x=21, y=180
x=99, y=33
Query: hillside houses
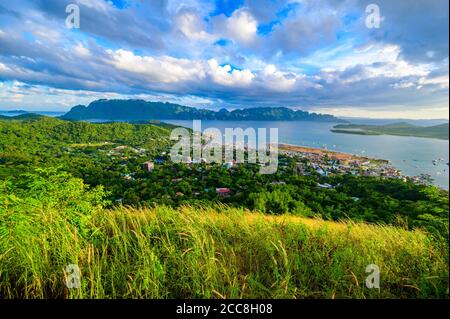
x=224, y=192
x=149, y=166
x=325, y=165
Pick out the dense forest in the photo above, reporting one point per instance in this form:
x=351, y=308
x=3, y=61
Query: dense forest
x=112, y=155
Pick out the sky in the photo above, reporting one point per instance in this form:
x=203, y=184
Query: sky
x=326, y=56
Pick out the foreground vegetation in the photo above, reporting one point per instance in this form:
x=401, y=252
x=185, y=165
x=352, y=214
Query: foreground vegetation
x=54, y=220
x=63, y=186
x=87, y=151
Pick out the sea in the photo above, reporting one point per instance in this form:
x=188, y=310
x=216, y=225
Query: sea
x=412, y=155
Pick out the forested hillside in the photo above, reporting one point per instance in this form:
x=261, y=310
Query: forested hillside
x=76, y=192
x=136, y=110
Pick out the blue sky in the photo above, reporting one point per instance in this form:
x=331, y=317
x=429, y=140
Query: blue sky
x=316, y=55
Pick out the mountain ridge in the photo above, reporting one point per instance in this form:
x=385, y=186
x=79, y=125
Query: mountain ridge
x=135, y=110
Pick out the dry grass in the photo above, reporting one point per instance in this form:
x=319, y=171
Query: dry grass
x=218, y=253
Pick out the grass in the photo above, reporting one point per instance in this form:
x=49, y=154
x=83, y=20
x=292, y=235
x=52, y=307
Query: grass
x=215, y=253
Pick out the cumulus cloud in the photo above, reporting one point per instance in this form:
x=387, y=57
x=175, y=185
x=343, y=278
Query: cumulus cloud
x=315, y=54
x=163, y=69
x=191, y=25
x=241, y=27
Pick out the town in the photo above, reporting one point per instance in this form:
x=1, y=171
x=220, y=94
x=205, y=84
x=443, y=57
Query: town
x=197, y=178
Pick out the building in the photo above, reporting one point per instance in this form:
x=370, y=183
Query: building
x=325, y=186
x=228, y=165
x=149, y=166
x=223, y=191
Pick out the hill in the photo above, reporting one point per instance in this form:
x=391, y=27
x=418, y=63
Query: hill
x=198, y=252
x=24, y=116
x=403, y=129
x=138, y=110
x=63, y=183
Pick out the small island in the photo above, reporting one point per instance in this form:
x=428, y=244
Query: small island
x=402, y=129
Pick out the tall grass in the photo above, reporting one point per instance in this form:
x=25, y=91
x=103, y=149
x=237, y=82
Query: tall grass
x=216, y=253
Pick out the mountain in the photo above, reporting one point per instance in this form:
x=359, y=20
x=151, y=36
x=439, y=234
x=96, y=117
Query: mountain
x=402, y=128
x=139, y=110
x=15, y=112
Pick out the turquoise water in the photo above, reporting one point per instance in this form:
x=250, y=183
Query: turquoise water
x=412, y=155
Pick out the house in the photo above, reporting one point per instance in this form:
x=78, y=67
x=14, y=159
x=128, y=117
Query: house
x=187, y=160
x=149, y=166
x=179, y=194
x=325, y=186
x=322, y=172
x=228, y=165
x=128, y=177
x=278, y=183
x=223, y=191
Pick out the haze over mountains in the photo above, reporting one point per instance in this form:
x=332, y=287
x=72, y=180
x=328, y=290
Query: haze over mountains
x=139, y=110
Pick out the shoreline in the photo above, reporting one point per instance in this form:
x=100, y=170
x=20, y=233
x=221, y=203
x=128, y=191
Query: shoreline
x=332, y=154
x=348, y=158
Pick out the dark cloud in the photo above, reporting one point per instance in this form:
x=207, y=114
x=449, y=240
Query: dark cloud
x=419, y=27
x=139, y=27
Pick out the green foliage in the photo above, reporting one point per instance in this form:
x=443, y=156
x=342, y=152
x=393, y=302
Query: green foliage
x=26, y=201
x=281, y=200
x=83, y=150
x=219, y=253
x=52, y=217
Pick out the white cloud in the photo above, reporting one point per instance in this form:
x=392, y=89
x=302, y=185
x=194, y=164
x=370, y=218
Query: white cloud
x=276, y=80
x=366, y=63
x=241, y=27
x=441, y=81
x=225, y=75
x=393, y=112
x=403, y=85
x=192, y=26
x=163, y=69
x=167, y=69
x=82, y=51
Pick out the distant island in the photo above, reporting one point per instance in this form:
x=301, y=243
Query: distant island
x=15, y=112
x=402, y=129
x=23, y=116
x=139, y=110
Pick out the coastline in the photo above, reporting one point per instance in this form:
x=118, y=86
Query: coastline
x=322, y=152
